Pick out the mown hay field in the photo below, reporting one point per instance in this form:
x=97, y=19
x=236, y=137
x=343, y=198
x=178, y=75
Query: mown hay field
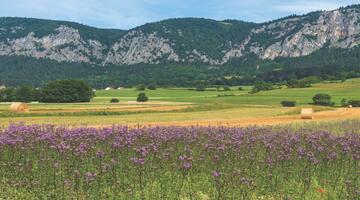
x=185, y=106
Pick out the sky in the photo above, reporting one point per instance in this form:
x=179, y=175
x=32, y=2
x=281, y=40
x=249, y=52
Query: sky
x=127, y=14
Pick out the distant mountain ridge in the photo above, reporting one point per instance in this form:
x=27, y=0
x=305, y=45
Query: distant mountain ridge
x=184, y=41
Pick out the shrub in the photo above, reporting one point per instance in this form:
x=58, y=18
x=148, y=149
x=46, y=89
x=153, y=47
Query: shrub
x=227, y=88
x=344, y=103
x=293, y=83
x=322, y=99
x=200, y=87
x=114, y=100
x=240, y=88
x=311, y=79
x=142, y=97
x=288, y=103
x=354, y=103
x=151, y=86
x=140, y=87
x=259, y=86
x=225, y=95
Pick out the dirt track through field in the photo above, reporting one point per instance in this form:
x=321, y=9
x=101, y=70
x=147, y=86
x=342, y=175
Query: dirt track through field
x=338, y=114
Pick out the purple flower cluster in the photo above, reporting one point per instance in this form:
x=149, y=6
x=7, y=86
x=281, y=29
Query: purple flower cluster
x=277, y=145
x=85, y=154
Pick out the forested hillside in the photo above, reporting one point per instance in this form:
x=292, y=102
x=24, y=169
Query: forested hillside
x=182, y=52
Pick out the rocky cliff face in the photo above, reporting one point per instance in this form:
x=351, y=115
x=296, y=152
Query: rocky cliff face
x=339, y=28
x=65, y=44
x=137, y=47
x=289, y=37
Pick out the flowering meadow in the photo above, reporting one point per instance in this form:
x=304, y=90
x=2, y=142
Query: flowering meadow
x=119, y=162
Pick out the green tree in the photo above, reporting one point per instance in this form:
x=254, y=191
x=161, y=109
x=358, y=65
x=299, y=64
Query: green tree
x=66, y=91
x=261, y=86
x=142, y=97
x=7, y=95
x=226, y=88
x=200, y=87
x=322, y=99
x=24, y=94
x=344, y=103
x=342, y=77
x=288, y=103
x=303, y=83
x=36, y=94
x=114, y=100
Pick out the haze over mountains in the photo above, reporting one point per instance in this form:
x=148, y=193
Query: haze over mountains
x=187, y=41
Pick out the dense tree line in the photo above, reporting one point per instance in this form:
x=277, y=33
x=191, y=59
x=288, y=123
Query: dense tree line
x=61, y=91
x=20, y=94
x=325, y=64
x=302, y=83
x=66, y=91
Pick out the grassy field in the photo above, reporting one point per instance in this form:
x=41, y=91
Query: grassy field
x=170, y=105
x=348, y=90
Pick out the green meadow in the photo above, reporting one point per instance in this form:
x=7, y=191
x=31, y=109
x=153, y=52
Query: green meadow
x=181, y=104
x=348, y=90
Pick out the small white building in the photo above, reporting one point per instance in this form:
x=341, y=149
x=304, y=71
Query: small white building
x=2, y=87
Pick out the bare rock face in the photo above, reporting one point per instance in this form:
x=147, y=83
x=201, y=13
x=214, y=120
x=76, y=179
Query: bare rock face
x=64, y=45
x=197, y=56
x=233, y=51
x=137, y=47
x=333, y=28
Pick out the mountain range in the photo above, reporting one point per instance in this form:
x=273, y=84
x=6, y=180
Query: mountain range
x=229, y=48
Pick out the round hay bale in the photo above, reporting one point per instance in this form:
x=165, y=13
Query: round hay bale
x=307, y=113
x=19, y=107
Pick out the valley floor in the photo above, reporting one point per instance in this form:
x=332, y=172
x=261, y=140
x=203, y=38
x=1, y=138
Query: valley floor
x=185, y=107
